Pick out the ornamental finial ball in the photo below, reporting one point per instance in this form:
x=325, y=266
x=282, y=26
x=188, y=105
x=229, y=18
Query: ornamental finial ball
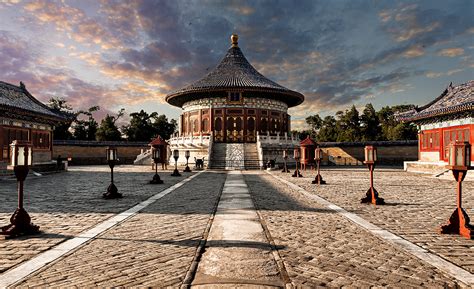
x=235, y=40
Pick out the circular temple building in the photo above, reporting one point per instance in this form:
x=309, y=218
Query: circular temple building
x=234, y=103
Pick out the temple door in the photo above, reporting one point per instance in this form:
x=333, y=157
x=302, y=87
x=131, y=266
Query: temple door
x=218, y=129
x=251, y=132
x=234, y=127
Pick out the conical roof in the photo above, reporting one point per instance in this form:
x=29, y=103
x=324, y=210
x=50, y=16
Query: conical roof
x=234, y=72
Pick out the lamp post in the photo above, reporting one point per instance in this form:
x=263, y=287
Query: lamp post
x=318, y=156
x=459, y=161
x=176, y=157
x=187, y=154
x=155, y=153
x=112, y=191
x=296, y=156
x=372, y=196
x=285, y=159
x=20, y=221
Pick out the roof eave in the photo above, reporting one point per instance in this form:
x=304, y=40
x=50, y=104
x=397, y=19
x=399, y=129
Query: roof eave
x=177, y=99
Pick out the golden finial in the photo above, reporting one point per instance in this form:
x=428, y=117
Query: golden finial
x=235, y=40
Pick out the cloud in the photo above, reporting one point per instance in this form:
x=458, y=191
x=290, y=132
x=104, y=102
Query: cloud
x=432, y=74
x=451, y=52
x=73, y=21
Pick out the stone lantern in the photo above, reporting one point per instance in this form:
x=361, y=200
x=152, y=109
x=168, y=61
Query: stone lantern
x=372, y=196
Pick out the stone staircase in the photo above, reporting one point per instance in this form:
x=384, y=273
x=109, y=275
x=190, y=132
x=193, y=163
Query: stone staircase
x=218, y=156
x=234, y=156
x=251, y=161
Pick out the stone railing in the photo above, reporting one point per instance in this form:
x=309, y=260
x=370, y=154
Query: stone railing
x=284, y=139
x=190, y=141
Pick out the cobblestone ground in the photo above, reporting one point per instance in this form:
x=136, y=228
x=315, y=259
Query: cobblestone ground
x=322, y=248
x=153, y=248
x=68, y=203
x=417, y=204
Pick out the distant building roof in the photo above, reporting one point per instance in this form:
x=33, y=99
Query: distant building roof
x=308, y=142
x=158, y=141
x=16, y=99
x=454, y=100
x=234, y=72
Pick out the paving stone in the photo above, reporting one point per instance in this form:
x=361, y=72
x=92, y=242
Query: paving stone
x=65, y=204
x=342, y=253
x=417, y=205
x=144, y=250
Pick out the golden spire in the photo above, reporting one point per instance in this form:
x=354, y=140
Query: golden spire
x=235, y=40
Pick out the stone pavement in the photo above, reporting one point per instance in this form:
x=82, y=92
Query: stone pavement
x=237, y=250
x=164, y=244
x=322, y=248
x=417, y=204
x=66, y=204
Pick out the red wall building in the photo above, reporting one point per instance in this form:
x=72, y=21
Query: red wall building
x=449, y=117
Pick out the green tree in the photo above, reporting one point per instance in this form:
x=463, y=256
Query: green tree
x=140, y=127
x=85, y=129
x=144, y=126
x=370, y=124
x=393, y=129
x=108, y=130
x=328, y=131
x=162, y=127
x=61, y=130
x=348, y=125
x=315, y=122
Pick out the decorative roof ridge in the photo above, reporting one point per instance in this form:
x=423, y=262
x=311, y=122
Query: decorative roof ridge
x=234, y=72
x=22, y=89
x=443, y=104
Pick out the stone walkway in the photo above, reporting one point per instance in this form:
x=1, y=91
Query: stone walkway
x=242, y=229
x=237, y=251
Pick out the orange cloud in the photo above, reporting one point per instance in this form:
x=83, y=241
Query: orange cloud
x=414, y=51
x=451, y=52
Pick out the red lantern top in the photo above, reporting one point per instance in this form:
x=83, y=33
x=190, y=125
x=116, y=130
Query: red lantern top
x=158, y=141
x=296, y=153
x=307, y=142
x=459, y=156
x=370, y=154
x=318, y=154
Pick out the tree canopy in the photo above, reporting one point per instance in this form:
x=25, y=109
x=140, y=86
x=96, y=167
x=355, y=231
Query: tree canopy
x=81, y=124
x=349, y=126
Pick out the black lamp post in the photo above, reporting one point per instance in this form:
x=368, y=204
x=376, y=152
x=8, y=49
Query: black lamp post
x=176, y=157
x=372, y=196
x=187, y=154
x=20, y=221
x=156, y=159
x=318, y=156
x=459, y=161
x=297, y=156
x=285, y=159
x=112, y=191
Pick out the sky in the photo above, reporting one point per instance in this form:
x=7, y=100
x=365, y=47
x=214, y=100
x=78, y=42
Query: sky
x=130, y=54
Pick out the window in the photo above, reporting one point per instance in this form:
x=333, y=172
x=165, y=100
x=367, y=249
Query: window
x=430, y=140
x=40, y=139
x=234, y=96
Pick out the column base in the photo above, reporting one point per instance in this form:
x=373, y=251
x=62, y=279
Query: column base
x=156, y=180
x=318, y=180
x=176, y=173
x=187, y=169
x=297, y=174
x=372, y=199
x=458, y=223
x=20, y=225
x=112, y=193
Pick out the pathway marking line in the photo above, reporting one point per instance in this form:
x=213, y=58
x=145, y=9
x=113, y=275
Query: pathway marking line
x=434, y=260
x=29, y=267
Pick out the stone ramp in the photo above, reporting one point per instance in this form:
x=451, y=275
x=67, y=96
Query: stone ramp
x=237, y=250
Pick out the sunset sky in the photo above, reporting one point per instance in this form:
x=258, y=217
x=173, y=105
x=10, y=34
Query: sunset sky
x=130, y=54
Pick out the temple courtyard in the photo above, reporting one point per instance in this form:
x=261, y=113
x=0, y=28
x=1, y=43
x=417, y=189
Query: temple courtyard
x=217, y=229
